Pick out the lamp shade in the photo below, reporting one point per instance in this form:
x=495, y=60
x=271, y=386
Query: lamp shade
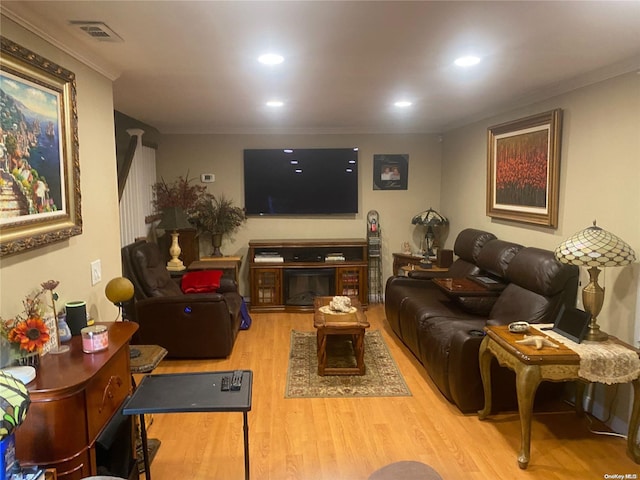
x=174, y=218
x=430, y=218
x=119, y=290
x=14, y=403
x=595, y=247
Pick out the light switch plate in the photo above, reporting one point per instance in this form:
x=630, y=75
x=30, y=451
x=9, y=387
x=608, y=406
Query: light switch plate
x=96, y=272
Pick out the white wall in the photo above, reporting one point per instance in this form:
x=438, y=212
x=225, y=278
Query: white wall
x=223, y=156
x=68, y=261
x=599, y=179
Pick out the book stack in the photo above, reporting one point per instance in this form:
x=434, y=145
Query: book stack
x=268, y=257
x=334, y=257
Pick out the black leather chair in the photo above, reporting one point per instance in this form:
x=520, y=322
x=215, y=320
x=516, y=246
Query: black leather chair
x=201, y=325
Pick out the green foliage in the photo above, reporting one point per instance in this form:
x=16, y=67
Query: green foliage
x=213, y=214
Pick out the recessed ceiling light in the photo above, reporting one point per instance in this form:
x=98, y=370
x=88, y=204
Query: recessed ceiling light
x=275, y=103
x=403, y=103
x=467, y=61
x=271, y=59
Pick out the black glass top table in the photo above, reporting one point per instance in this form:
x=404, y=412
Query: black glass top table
x=191, y=392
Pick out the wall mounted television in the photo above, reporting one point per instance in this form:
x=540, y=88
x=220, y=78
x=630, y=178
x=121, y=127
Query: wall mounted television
x=309, y=181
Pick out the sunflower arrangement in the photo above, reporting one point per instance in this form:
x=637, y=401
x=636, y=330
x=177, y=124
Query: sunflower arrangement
x=28, y=330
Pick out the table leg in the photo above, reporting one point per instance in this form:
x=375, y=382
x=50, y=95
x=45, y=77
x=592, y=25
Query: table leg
x=632, y=447
x=246, y=445
x=527, y=381
x=485, y=375
x=359, y=351
x=145, y=448
x=322, y=352
x=580, y=386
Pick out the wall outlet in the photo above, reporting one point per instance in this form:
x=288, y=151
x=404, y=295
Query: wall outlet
x=96, y=272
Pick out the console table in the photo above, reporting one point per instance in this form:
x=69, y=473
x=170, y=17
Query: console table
x=73, y=398
x=531, y=367
x=273, y=262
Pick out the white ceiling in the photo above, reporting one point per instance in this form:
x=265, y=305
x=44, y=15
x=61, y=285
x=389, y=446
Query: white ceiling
x=190, y=66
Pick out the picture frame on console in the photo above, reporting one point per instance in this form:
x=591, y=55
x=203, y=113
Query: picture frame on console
x=39, y=155
x=523, y=169
x=390, y=172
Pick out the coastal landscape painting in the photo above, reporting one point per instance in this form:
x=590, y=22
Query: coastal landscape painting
x=39, y=164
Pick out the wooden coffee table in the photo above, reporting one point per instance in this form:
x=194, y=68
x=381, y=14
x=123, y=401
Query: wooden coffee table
x=353, y=324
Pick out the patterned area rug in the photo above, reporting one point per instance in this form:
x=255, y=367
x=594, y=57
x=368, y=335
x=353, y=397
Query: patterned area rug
x=382, y=378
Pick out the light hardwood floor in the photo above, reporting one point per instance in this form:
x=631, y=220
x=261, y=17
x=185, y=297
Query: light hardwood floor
x=349, y=438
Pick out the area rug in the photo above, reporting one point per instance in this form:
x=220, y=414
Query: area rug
x=382, y=378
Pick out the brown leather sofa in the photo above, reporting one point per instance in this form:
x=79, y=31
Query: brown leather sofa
x=444, y=331
x=201, y=325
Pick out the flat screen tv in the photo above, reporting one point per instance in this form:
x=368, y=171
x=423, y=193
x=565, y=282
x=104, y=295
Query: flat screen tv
x=317, y=181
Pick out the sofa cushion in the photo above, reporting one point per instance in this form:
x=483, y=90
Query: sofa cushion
x=151, y=269
x=469, y=242
x=539, y=285
x=495, y=256
x=476, y=305
x=201, y=281
x=539, y=271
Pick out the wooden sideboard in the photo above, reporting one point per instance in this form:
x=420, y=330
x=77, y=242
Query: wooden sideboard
x=73, y=398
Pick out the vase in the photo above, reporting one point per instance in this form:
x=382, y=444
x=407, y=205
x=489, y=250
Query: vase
x=216, y=241
x=64, y=332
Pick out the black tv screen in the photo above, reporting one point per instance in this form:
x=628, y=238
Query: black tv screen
x=301, y=181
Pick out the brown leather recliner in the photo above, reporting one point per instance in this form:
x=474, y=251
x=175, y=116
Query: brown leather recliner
x=202, y=325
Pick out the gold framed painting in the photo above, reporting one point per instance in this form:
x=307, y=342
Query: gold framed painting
x=523, y=169
x=39, y=158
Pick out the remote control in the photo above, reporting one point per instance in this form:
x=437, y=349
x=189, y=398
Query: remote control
x=226, y=381
x=236, y=380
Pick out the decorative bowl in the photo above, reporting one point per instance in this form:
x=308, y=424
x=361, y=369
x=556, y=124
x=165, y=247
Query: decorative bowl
x=519, y=327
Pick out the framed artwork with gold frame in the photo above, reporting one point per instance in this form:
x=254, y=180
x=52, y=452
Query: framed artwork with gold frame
x=39, y=154
x=523, y=169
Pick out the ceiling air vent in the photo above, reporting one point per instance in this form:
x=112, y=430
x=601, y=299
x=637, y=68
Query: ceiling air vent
x=98, y=31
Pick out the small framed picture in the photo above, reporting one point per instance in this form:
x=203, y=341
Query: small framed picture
x=390, y=171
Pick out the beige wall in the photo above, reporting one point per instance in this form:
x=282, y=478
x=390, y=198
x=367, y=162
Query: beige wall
x=222, y=155
x=68, y=261
x=599, y=179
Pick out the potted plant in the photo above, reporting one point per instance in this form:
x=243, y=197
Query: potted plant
x=179, y=193
x=216, y=216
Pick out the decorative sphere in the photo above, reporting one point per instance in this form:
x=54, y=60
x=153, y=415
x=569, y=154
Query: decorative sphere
x=119, y=290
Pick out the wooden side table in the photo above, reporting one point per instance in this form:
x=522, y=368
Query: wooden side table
x=405, y=269
x=402, y=259
x=146, y=362
x=229, y=265
x=532, y=366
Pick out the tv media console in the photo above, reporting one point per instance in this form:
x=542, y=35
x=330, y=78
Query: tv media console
x=289, y=274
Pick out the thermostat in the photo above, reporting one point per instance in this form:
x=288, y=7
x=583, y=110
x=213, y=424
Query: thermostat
x=207, y=178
